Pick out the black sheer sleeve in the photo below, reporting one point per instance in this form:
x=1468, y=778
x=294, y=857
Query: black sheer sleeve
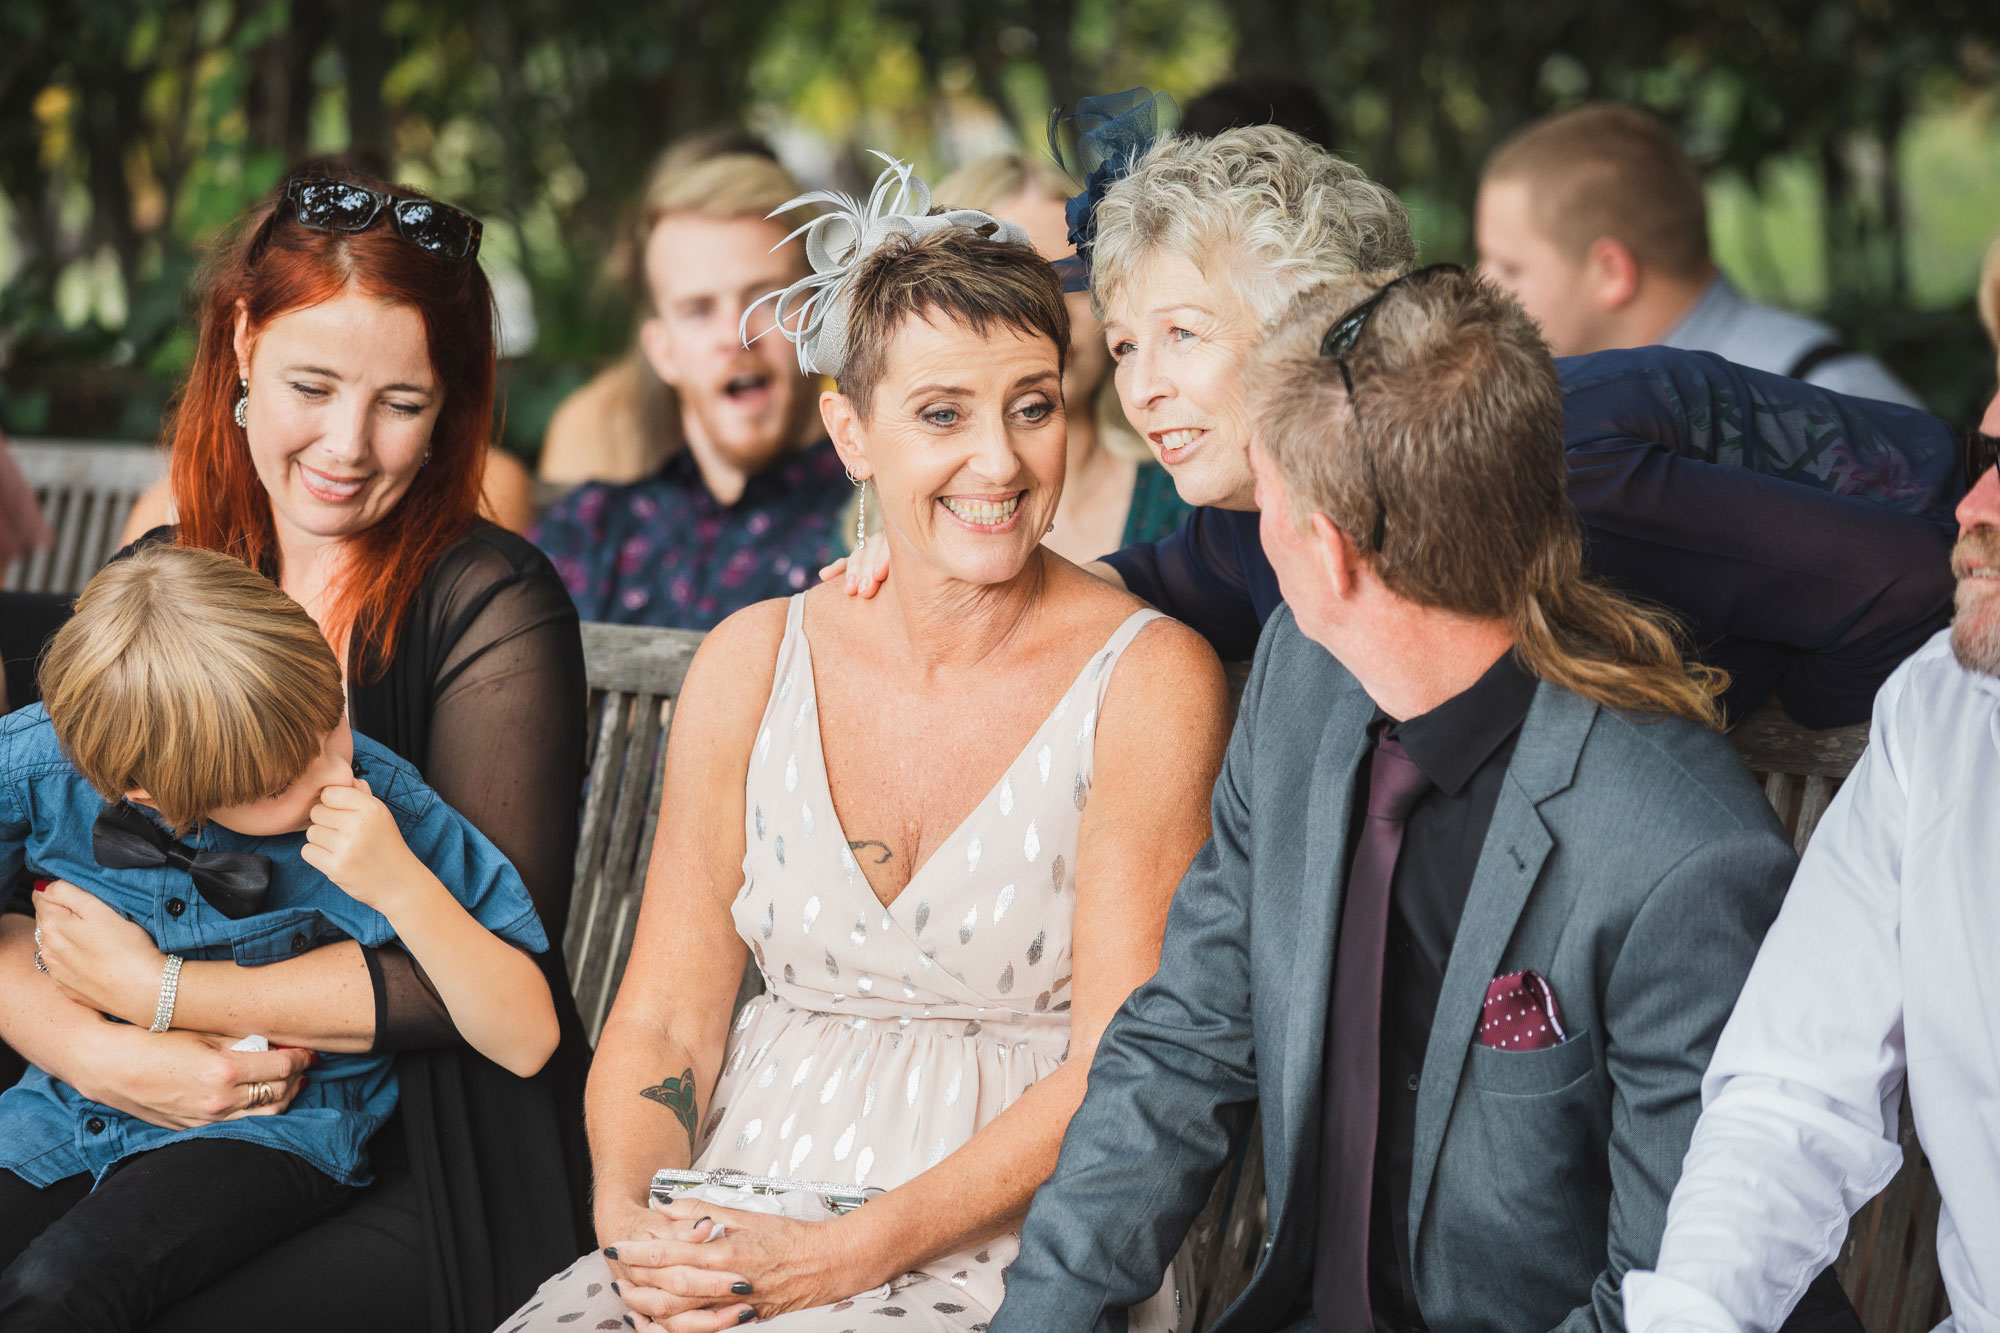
x=487, y=699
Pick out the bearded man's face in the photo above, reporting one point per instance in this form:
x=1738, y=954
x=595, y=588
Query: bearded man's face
x=1975, y=561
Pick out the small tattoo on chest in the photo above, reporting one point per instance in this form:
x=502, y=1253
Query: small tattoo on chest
x=863, y=844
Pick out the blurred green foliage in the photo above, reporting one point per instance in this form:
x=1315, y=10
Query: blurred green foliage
x=1853, y=151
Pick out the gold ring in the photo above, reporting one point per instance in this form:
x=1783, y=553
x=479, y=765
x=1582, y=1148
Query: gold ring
x=260, y=1095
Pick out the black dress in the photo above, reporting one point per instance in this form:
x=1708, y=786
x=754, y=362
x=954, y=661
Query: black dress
x=482, y=1178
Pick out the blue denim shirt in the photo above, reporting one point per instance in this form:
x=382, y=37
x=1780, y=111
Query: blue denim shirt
x=48, y=1130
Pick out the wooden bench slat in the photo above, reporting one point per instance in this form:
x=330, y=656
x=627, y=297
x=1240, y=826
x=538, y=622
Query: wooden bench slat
x=86, y=491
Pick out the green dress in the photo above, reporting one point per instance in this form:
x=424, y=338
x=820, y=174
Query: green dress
x=1157, y=508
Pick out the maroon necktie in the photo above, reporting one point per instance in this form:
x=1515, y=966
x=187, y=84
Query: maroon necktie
x=1353, y=1096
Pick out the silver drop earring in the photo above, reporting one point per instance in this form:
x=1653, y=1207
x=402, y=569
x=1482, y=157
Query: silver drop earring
x=243, y=404
x=861, y=517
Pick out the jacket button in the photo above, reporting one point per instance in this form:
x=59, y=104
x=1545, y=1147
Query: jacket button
x=298, y=943
x=95, y=1124
x=175, y=907
x=1413, y=1083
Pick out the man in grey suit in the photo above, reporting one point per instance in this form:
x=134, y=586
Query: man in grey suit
x=1477, y=1048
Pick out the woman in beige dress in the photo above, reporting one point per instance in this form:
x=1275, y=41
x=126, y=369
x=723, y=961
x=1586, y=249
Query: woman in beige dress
x=946, y=823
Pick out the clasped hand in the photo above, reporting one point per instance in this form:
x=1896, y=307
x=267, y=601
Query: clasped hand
x=672, y=1276
x=96, y=956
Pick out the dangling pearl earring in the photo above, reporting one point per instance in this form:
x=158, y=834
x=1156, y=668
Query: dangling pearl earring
x=243, y=404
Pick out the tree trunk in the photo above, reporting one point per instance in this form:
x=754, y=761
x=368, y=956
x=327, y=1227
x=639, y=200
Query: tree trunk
x=364, y=57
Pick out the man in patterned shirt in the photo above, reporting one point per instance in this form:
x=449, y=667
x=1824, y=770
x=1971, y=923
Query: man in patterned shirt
x=748, y=508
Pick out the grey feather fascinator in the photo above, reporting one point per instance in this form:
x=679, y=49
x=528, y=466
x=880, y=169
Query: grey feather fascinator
x=812, y=313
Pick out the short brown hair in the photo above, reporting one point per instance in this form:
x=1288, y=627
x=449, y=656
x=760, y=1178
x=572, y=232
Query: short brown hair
x=955, y=271
x=187, y=673
x=1452, y=446
x=1611, y=170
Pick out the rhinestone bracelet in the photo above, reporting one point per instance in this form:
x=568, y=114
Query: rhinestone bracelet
x=170, y=985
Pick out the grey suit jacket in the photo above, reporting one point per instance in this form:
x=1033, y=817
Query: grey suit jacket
x=1631, y=860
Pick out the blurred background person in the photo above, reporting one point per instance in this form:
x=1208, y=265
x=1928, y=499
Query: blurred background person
x=1114, y=493
x=1597, y=222
x=626, y=421
x=745, y=508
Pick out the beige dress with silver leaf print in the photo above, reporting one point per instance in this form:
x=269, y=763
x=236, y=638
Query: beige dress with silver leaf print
x=889, y=1036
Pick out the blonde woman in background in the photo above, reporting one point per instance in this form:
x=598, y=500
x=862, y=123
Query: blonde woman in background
x=1114, y=494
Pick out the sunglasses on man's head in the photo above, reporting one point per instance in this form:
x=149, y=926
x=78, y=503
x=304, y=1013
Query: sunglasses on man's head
x=1339, y=340
x=326, y=204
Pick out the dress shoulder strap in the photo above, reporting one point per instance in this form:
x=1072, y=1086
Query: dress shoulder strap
x=1114, y=647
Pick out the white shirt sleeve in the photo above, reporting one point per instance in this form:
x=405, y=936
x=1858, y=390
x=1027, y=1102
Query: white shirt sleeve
x=1798, y=1126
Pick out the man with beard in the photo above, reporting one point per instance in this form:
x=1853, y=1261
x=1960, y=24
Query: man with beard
x=1883, y=969
x=748, y=507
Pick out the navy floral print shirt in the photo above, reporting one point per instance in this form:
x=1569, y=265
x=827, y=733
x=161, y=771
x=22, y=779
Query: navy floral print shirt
x=664, y=551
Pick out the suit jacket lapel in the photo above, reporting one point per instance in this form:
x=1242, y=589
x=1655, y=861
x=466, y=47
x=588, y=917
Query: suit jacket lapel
x=1517, y=844
x=1316, y=912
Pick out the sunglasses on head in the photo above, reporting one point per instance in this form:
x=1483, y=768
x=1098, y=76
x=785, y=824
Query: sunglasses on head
x=1339, y=340
x=326, y=204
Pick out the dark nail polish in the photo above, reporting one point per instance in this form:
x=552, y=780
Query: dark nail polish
x=611, y=1252
x=614, y=1288
x=746, y=1316
x=740, y=1289
x=629, y=1323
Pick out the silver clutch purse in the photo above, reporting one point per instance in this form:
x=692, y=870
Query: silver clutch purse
x=670, y=1184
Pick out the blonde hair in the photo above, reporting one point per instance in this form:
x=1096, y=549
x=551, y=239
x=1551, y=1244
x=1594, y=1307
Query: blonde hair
x=1611, y=170
x=1451, y=449
x=989, y=183
x=188, y=674
x=727, y=187
x=1283, y=211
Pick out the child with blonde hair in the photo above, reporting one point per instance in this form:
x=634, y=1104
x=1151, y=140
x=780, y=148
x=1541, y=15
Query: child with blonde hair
x=191, y=767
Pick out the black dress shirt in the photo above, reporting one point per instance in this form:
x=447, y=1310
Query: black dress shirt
x=1463, y=746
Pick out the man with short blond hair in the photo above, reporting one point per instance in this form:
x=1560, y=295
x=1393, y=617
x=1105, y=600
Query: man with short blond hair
x=744, y=503
x=1595, y=219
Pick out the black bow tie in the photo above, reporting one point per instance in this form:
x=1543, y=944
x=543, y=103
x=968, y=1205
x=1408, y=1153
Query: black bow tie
x=234, y=883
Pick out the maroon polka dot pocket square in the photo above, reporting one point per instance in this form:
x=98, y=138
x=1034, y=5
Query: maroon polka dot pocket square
x=1521, y=1014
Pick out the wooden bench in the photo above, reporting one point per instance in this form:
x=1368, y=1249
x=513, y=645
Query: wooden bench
x=86, y=491
x=1888, y=1265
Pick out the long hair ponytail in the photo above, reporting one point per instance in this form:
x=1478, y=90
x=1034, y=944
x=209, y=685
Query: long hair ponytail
x=1571, y=630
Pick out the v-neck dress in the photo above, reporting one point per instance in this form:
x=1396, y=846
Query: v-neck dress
x=888, y=1036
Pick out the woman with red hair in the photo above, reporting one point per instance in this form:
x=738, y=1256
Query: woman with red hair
x=333, y=433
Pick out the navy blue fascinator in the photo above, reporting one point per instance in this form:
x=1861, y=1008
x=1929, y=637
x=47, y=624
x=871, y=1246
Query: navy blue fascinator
x=1097, y=144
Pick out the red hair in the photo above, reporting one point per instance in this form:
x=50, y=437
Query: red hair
x=281, y=266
